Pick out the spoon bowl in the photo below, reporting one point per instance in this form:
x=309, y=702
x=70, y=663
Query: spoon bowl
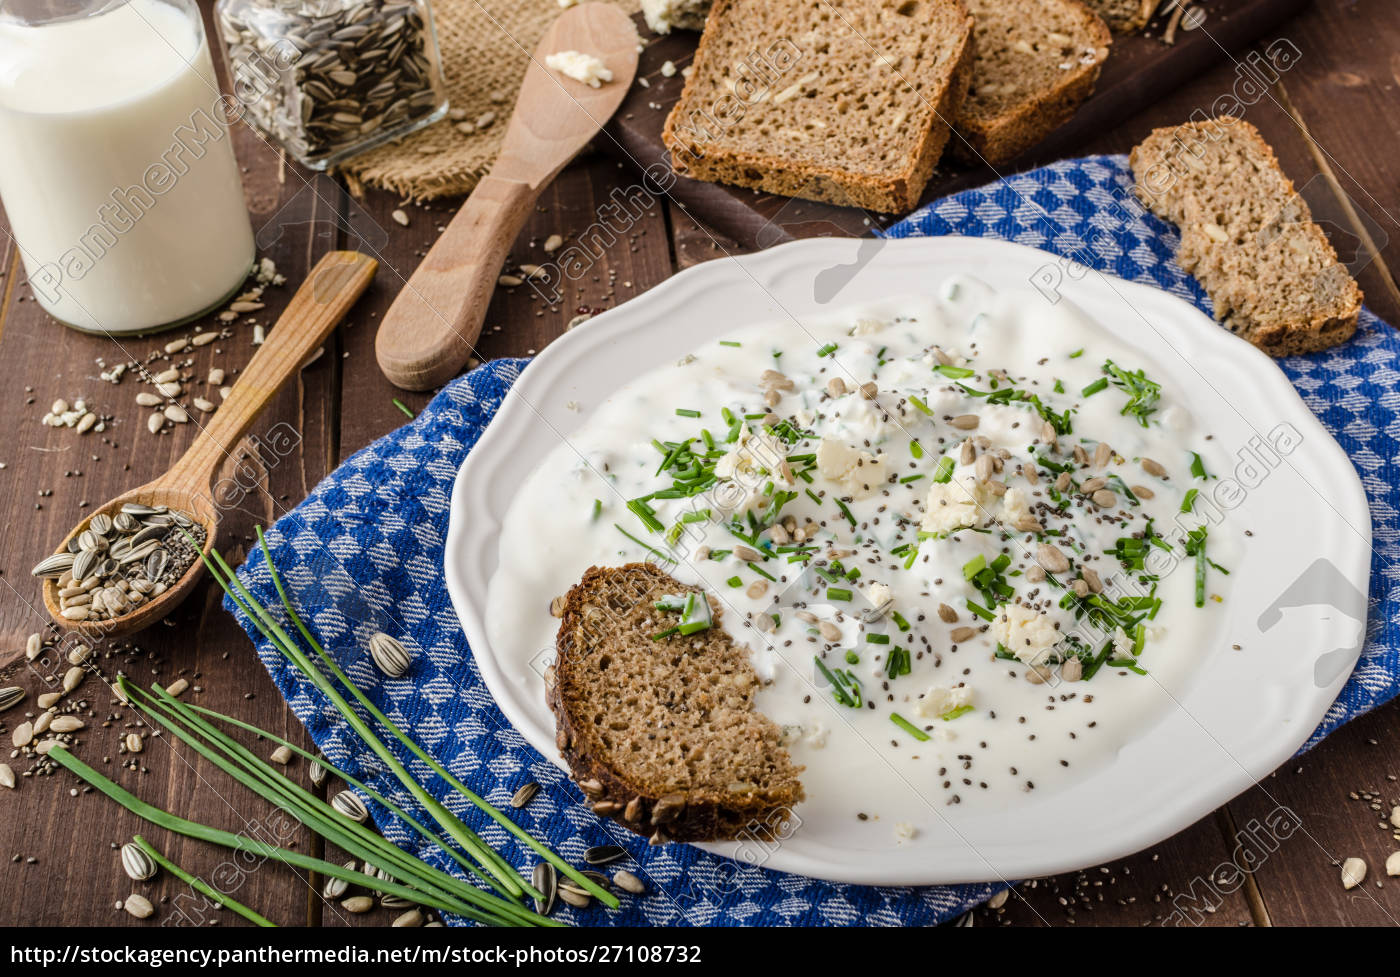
x=188, y=488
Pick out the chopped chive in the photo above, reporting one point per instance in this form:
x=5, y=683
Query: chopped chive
x=954, y=372
x=729, y=342
x=1198, y=467
x=837, y=593
x=974, y=566
x=1189, y=502
x=980, y=611
x=1076, y=354
x=828, y=349
x=952, y=714
x=908, y=727
x=923, y=407
x=945, y=470
x=899, y=621
x=1100, y=384
x=403, y=407
x=735, y=582
x=686, y=412
x=910, y=478
x=597, y=509
x=877, y=639
x=852, y=658
x=761, y=572
x=916, y=449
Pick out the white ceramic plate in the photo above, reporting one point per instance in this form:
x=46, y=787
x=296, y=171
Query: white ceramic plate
x=1245, y=713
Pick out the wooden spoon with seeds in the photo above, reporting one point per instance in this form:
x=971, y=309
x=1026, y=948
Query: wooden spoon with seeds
x=429, y=332
x=189, y=486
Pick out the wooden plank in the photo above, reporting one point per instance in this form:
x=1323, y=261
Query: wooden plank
x=595, y=205
x=1139, y=71
x=1340, y=795
x=1186, y=881
x=76, y=877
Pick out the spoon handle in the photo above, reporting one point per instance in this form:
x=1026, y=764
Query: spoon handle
x=432, y=327
x=334, y=284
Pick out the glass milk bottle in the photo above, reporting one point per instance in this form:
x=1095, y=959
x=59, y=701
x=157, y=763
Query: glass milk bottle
x=116, y=167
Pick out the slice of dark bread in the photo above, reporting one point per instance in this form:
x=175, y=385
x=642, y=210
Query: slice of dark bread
x=1125, y=16
x=661, y=735
x=1247, y=236
x=847, y=101
x=1036, y=61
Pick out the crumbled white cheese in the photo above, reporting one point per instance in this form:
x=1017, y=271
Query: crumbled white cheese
x=955, y=504
x=1025, y=632
x=579, y=66
x=755, y=455
x=816, y=735
x=662, y=15
x=668, y=69
x=940, y=700
x=1122, y=644
x=904, y=831
x=867, y=327
x=859, y=472
x=1015, y=508
x=879, y=594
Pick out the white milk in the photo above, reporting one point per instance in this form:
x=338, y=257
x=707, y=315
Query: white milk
x=117, y=172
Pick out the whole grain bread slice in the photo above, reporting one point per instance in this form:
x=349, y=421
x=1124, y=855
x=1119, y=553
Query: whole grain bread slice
x=846, y=101
x=661, y=734
x=1247, y=236
x=1125, y=16
x=1037, y=60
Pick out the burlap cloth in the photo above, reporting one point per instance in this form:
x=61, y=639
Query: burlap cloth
x=486, y=46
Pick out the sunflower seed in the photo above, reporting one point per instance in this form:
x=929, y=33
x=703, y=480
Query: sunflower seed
x=628, y=882
x=603, y=854
x=575, y=898
x=22, y=735
x=136, y=863
x=1153, y=468
x=66, y=724
x=334, y=887
x=357, y=904
x=134, y=743
x=79, y=655
x=394, y=902
x=350, y=805
x=33, y=646
x=525, y=794
x=318, y=773
x=11, y=697
x=139, y=906
x=282, y=755
x=53, y=567
x=1353, y=873
x=7, y=776
x=546, y=882
x=391, y=657
x=42, y=723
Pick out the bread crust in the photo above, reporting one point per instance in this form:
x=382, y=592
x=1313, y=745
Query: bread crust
x=896, y=192
x=1002, y=138
x=696, y=815
x=1310, y=333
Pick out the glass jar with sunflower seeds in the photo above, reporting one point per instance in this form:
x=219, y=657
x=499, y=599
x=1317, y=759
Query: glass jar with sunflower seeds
x=331, y=78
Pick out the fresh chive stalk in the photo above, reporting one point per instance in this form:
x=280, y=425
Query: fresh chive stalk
x=243, y=843
x=284, y=643
x=200, y=886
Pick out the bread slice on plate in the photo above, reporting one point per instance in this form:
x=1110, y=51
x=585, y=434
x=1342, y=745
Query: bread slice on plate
x=1125, y=16
x=1247, y=236
x=661, y=734
x=847, y=101
x=1037, y=60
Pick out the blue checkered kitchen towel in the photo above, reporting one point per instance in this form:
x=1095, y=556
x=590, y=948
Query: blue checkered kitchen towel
x=364, y=553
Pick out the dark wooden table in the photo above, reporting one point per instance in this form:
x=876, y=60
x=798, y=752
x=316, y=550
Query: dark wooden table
x=1334, y=120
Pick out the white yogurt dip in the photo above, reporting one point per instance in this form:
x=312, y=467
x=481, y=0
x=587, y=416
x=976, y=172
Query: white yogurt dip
x=967, y=538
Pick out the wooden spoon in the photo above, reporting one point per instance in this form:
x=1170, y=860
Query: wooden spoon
x=430, y=330
x=322, y=301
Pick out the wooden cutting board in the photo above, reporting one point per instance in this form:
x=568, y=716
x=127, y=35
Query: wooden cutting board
x=1141, y=68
